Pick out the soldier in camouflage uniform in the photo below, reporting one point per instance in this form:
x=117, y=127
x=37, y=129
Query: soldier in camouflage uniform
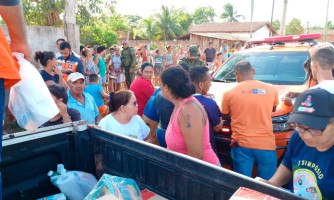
x=129, y=62
x=192, y=60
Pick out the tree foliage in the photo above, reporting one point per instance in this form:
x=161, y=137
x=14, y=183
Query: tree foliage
x=276, y=24
x=167, y=22
x=203, y=14
x=43, y=13
x=229, y=15
x=330, y=25
x=133, y=22
x=100, y=24
x=150, y=28
x=294, y=27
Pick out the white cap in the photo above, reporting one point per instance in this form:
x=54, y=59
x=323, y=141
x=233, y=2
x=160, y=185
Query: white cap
x=75, y=76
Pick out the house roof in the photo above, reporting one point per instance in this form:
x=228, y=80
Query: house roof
x=224, y=36
x=229, y=27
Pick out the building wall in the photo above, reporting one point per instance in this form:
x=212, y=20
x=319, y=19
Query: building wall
x=203, y=42
x=43, y=38
x=157, y=44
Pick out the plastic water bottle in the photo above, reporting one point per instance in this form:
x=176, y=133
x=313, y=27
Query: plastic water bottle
x=73, y=184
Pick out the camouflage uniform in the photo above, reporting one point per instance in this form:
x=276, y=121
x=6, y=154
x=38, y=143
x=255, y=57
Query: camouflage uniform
x=128, y=58
x=196, y=63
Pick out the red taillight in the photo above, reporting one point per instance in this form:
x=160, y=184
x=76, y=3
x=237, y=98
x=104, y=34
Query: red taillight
x=226, y=129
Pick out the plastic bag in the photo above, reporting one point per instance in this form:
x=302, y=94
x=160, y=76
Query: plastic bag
x=121, y=188
x=75, y=185
x=30, y=100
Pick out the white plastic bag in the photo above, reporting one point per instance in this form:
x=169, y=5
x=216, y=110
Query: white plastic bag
x=30, y=100
x=75, y=185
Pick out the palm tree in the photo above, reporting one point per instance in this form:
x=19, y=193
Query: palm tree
x=167, y=22
x=151, y=29
x=229, y=15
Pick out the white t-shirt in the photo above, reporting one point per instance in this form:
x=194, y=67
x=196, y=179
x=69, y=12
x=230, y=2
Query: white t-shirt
x=136, y=128
x=326, y=85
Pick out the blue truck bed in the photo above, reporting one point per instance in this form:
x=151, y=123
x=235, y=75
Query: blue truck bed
x=27, y=157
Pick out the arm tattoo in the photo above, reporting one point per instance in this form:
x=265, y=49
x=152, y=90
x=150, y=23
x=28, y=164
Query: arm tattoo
x=188, y=121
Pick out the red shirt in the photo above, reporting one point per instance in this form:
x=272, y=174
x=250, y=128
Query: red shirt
x=144, y=56
x=143, y=90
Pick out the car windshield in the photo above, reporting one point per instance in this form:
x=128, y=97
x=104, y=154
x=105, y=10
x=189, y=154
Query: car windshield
x=279, y=68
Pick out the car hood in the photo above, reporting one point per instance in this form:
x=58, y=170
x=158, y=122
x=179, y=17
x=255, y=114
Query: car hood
x=218, y=89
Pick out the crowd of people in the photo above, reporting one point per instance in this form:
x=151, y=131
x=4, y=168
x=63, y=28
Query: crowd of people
x=185, y=115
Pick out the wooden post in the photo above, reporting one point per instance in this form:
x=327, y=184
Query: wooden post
x=73, y=37
x=282, y=30
x=326, y=22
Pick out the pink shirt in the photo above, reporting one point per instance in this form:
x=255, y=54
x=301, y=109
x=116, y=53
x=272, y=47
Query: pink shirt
x=175, y=140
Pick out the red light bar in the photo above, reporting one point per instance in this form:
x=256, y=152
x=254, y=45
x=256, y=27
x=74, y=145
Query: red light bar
x=290, y=38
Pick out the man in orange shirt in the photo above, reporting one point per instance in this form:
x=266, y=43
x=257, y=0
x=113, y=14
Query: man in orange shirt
x=249, y=105
x=12, y=13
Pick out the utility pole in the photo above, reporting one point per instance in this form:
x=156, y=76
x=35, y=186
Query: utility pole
x=272, y=15
x=70, y=25
x=282, y=30
x=325, y=36
x=251, y=25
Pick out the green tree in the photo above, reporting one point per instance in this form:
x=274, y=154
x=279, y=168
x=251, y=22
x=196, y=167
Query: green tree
x=294, y=27
x=204, y=14
x=184, y=20
x=276, y=24
x=43, y=13
x=229, y=15
x=167, y=22
x=48, y=12
x=330, y=25
x=133, y=21
x=151, y=30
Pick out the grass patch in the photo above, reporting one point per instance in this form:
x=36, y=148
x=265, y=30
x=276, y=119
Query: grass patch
x=12, y=128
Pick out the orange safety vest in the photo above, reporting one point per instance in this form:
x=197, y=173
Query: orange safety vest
x=9, y=68
x=68, y=65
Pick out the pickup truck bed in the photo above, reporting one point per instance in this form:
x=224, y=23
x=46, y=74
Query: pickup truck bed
x=27, y=157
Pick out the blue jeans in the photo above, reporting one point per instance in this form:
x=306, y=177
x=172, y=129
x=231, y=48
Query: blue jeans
x=244, y=158
x=2, y=112
x=161, y=137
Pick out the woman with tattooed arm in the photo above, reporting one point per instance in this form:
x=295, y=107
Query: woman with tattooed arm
x=188, y=128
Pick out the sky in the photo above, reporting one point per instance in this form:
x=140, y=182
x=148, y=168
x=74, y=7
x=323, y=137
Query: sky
x=312, y=11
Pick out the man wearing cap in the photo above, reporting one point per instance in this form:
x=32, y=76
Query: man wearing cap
x=309, y=159
x=192, y=60
x=249, y=105
x=80, y=100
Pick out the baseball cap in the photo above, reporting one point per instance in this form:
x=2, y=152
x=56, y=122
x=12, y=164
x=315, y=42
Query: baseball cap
x=75, y=76
x=193, y=50
x=313, y=108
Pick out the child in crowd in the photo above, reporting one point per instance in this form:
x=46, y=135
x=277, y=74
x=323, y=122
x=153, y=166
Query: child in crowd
x=111, y=51
x=96, y=90
x=158, y=66
x=218, y=62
